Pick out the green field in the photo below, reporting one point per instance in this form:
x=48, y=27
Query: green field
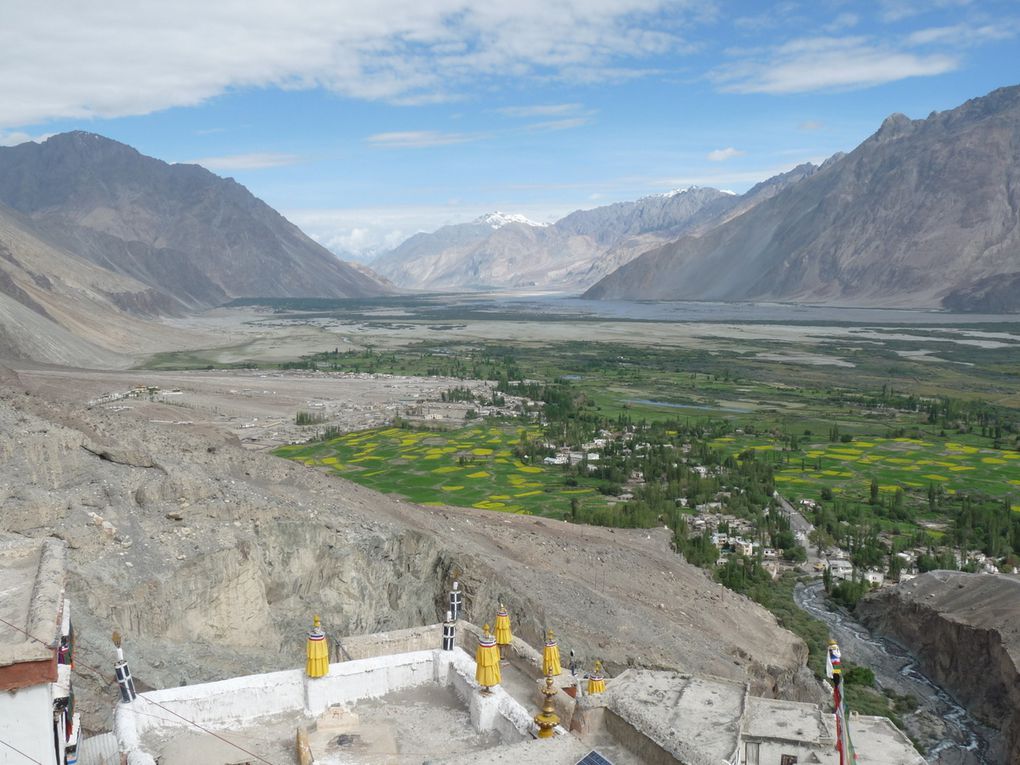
x=847, y=469
x=468, y=467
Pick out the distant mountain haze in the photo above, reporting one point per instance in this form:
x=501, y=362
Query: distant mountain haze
x=507, y=251
x=924, y=213
x=186, y=233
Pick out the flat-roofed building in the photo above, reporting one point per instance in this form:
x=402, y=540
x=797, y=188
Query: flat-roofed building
x=37, y=718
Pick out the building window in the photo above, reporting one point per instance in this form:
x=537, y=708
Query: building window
x=788, y=759
x=751, y=753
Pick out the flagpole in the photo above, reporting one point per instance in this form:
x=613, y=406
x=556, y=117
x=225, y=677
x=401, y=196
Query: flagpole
x=834, y=671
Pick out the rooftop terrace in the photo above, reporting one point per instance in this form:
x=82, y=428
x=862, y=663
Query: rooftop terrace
x=31, y=599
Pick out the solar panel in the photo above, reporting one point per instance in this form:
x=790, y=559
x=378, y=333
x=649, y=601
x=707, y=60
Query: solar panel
x=593, y=758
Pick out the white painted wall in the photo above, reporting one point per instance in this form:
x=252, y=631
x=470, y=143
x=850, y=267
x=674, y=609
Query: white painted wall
x=26, y=723
x=241, y=701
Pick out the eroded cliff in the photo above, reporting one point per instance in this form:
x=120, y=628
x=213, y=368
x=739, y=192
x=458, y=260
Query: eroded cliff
x=964, y=630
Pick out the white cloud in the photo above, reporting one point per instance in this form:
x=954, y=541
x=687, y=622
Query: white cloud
x=540, y=110
x=552, y=125
x=811, y=125
x=962, y=35
x=256, y=161
x=739, y=180
x=417, y=139
x=897, y=10
x=119, y=57
x=721, y=155
x=15, y=137
x=820, y=63
x=364, y=233
x=842, y=21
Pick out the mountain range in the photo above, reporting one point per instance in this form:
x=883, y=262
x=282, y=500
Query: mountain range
x=95, y=236
x=98, y=242
x=924, y=213
x=503, y=251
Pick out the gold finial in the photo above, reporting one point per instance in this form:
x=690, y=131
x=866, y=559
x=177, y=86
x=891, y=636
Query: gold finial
x=598, y=666
x=116, y=638
x=316, y=622
x=547, y=719
x=486, y=629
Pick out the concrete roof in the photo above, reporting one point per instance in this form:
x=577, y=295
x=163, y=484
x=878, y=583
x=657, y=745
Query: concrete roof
x=31, y=598
x=878, y=742
x=696, y=719
x=777, y=719
x=702, y=721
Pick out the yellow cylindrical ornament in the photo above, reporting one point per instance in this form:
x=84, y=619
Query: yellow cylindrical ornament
x=317, y=664
x=503, y=634
x=551, y=656
x=597, y=680
x=487, y=672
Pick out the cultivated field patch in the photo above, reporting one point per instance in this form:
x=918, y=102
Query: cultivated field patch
x=468, y=467
x=895, y=463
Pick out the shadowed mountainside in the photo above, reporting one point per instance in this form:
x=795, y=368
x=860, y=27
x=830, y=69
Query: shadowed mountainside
x=198, y=239
x=923, y=213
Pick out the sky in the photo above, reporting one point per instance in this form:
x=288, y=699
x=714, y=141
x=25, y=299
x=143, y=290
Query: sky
x=365, y=122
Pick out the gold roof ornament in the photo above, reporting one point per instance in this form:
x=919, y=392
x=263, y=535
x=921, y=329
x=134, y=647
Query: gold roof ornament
x=547, y=719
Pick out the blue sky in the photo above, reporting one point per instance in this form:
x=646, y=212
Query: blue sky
x=366, y=122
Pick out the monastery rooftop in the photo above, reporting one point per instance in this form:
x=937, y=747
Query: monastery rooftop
x=400, y=701
x=31, y=598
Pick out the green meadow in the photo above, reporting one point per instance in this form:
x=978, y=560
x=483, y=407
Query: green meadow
x=847, y=469
x=469, y=467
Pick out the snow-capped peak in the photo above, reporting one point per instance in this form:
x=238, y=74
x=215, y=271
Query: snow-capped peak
x=498, y=220
x=676, y=192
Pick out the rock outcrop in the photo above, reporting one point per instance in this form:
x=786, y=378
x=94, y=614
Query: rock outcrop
x=964, y=630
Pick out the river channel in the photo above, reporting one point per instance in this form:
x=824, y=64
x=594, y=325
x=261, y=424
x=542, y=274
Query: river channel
x=948, y=734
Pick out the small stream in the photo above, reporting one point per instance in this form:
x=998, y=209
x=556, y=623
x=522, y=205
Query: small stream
x=949, y=734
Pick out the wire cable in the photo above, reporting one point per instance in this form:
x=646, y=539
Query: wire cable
x=150, y=701
x=18, y=751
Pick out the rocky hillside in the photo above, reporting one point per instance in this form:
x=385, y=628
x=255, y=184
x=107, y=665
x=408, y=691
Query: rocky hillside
x=964, y=630
x=211, y=558
x=923, y=213
x=194, y=238
x=499, y=251
x=58, y=308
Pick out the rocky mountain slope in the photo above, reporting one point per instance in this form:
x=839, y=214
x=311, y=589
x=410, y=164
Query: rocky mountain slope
x=964, y=630
x=499, y=251
x=58, y=308
x=194, y=238
x=923, y=213
x=211, y=559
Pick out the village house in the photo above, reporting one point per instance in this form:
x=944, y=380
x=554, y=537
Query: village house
x=874, y=578
x=841, y=569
